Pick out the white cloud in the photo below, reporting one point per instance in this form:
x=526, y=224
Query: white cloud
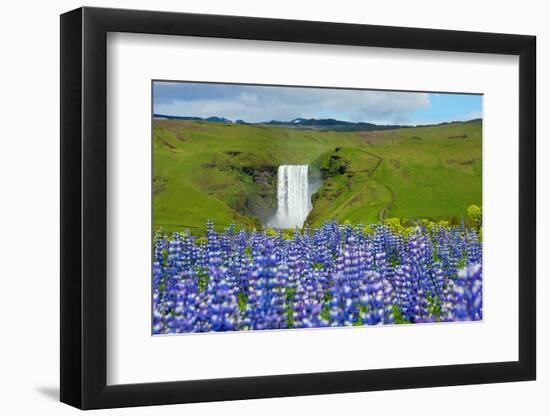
x=473, y=115
x=255, y=104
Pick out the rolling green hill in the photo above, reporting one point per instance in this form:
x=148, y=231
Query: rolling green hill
x=227, y=172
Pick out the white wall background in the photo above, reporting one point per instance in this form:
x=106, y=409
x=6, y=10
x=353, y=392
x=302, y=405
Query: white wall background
x=29, y=175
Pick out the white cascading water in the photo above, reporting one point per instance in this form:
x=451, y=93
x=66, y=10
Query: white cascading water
x=293, y=197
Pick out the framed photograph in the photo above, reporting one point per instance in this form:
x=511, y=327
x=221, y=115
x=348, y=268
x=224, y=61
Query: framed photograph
x=257, y=208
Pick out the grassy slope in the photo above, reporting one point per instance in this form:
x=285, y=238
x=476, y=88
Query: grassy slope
x=349, y=191
x=193, y=161
x=432, y=172
x=203, y=170
x=436, y=176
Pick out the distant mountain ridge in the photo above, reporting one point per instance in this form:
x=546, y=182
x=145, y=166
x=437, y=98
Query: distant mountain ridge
x=319, y=124
x=333, y=124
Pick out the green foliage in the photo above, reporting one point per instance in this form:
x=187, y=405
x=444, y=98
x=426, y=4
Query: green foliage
x=427, y=224
x=434, y=307
x=408, y=230
x=474, y=217
x=368, y=230
x=289, y=317
x=325, y=313
x=395, y=224
x=242, y=301
x=203, y=279
x=362, y=310
x=288, y=236
x=398, y=317
x=394, y=259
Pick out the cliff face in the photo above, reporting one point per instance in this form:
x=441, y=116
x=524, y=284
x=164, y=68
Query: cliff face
x=254, y=190
x=261, y=200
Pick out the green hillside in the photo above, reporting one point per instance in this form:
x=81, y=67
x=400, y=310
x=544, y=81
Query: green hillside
x=227, y=172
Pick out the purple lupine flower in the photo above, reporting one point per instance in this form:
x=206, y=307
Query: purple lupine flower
x=468, y=287
x=333, y=275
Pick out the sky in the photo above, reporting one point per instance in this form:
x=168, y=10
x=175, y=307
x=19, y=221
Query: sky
x=253, y=103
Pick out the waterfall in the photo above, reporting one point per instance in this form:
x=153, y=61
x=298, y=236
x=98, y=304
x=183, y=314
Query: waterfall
x=293, y=197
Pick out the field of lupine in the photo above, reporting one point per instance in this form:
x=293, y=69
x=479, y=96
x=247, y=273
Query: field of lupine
x=334, y=275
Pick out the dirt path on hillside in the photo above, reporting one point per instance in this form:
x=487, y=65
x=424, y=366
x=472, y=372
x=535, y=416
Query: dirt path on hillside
x=384, y=212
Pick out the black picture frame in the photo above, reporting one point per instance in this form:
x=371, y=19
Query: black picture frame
x=84, y=207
